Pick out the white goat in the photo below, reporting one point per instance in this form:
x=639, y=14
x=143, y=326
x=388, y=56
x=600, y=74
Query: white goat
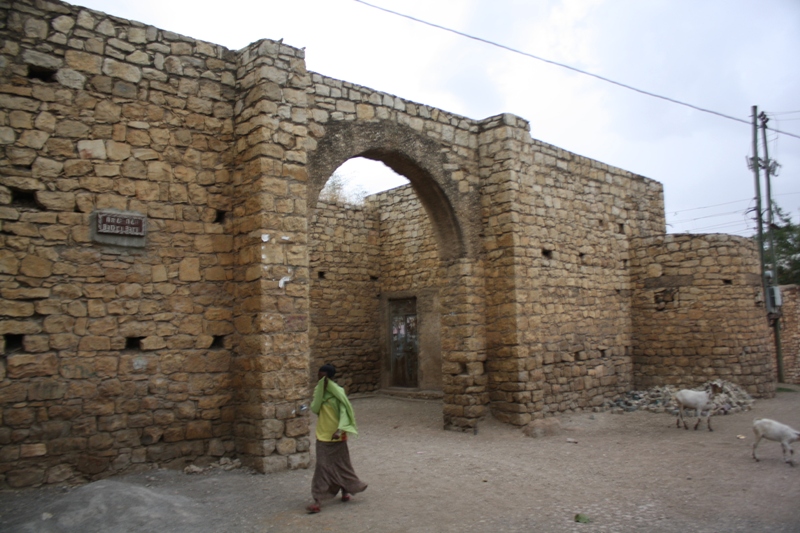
x=698, y=400
x=764, y=428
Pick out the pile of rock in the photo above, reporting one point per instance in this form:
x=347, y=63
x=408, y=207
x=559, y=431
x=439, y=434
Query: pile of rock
x=223, y=464
x=732, y=399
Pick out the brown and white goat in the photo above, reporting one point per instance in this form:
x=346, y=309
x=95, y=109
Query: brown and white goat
x=698, y=400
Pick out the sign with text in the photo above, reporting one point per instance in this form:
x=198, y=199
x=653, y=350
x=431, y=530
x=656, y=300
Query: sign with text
x=119, y=228
x=121, y=224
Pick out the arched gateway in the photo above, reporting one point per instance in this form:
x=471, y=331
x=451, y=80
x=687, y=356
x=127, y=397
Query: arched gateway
x=389, y=318
x=168, y=274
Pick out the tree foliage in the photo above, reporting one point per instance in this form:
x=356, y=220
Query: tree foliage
x=786, y=236
x=339, y=190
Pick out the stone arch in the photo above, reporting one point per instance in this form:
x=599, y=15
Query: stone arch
x=408, y=153
x=453, y=306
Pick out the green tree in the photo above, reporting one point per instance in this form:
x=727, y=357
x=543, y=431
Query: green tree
x=786, y=235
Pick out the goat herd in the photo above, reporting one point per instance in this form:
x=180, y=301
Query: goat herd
x=764, y=428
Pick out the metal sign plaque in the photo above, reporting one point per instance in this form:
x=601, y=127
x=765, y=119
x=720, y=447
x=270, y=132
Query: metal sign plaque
x=121, y=224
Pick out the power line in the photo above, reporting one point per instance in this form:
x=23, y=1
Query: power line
x=727, y=203
x=709, y=216
x=710, y=206
x=562, y=65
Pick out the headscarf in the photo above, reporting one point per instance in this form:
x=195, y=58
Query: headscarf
x=328, y=391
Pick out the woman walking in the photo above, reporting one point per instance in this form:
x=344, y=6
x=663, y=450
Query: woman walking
x=336, y=421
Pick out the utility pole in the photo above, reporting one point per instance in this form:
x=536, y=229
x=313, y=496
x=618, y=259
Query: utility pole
x=774, y=312
x=756, y=166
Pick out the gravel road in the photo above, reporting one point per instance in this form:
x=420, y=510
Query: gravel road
x=626, y=473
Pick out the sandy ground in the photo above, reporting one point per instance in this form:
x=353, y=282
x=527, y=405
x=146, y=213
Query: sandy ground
x=628, y=473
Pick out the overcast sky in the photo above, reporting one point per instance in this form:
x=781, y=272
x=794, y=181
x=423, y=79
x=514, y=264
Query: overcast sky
x=721, y=55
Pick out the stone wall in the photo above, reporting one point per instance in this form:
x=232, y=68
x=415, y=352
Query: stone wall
x=698, y=313
x=558, y=236
x=344, y=293
x=411, y=268
x=544, y=282
x=790, y=333
x=436, y=151
x=113, y=356
x=361, y=257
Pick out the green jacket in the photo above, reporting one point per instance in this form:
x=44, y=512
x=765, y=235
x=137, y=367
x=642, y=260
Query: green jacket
x=336, y=397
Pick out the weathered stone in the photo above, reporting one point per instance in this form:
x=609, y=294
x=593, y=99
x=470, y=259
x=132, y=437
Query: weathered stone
x=37, y=267
x=71, y=78
x=92, y=149
x=56, y=201
x=9, y=264
x=124, y=71
x=39, y=59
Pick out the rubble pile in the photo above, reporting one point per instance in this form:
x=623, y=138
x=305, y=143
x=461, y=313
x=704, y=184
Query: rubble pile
x=732, y=399
x=223, y=464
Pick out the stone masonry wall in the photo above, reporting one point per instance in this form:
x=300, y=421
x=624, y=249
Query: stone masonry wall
x=270, y=229
x=790, y=333
x=113, y=356
x=344, y=294
x=409, y=257
x=698, y=313
x=360, y=253
x=558, y=229
x=411, y=268
x=544, y=279
x=436, y=151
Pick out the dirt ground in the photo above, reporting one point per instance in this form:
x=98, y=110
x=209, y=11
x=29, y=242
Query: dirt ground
x=627, y=473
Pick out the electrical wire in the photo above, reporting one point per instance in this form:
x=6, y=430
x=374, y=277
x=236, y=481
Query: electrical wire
x=562, y=65
x=709, y=216
x=726, y=203
x=710, y=206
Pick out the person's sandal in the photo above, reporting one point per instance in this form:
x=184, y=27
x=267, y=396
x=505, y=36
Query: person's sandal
x=313, y=508
x=345, y=497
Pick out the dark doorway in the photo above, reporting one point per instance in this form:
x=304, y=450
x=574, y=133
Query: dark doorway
x=404, y=341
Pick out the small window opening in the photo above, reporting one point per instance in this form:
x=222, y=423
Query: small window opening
x=602, y=353
x=218, y=342
x=727, y=281
x=373, y=278
x=664, y=297
x=621, y=228
x=133, y=343
x=581, y=257
x=220, y=218
x=23, y=199
x=13, y=342
x=41, y=73
x=548, y=254
x=321, y=274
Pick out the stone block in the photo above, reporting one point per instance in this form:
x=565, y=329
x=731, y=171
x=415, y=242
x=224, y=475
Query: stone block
x=36, y=267
x=24, y=477
x=198, y=429
x=47, y=389
x=16, y=308
x=26, y=365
